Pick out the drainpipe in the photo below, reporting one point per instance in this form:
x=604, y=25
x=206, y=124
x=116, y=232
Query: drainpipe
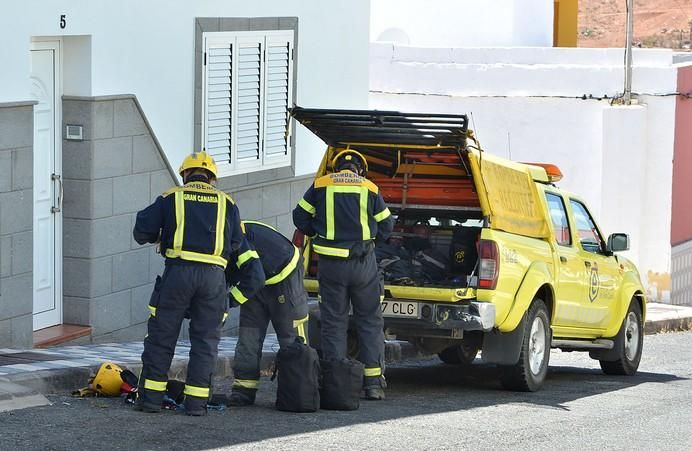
x=628, y=53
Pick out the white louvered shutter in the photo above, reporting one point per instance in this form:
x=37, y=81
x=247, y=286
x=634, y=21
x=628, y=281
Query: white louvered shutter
x=278, y=90
x=248, y=100
x=218, y=88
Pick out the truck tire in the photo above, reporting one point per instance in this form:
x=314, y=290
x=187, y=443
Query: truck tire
x=630, y=340
x=530, y=371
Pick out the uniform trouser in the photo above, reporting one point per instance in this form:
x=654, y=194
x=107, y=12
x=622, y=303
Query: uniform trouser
x=201, y=290
x=285, y=305
x=352, y=282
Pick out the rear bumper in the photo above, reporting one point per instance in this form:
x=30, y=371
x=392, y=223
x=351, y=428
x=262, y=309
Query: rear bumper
x=467, y=317
x=470, y=316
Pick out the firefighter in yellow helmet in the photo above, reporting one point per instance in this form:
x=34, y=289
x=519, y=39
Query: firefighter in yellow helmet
x=199, y=229
x=344, y=213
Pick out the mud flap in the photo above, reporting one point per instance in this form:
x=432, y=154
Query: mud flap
x=503, y=348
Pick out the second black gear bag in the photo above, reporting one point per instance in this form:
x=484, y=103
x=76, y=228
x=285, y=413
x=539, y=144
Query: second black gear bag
x=298, y=367
x=342, y=382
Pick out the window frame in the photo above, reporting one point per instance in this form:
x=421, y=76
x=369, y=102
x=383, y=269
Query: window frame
x=602, y=243
x=263, y=37
x=567, y=218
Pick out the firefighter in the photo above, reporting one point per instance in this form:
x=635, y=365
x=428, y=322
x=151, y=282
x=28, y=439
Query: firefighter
x=283, y=301
x=198, y=227
x=344, y=213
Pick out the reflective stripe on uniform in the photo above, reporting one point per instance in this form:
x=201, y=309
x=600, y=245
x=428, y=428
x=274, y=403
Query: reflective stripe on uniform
x=307, y=206
x=299, y=325
x=197, y=392
x=178, y=252
x=220, y=224
x=238, y=295
x=197, y=257
x=155, y=385
x=330, y=251
x=362, y=191
x=246, y=383
x=245, y=256
x=288, y=269
x=381, y=216
x=258, y=223
x=179, y=221
x=152, y=310
x=329, y=212
x=364, y=213
x=372, y=372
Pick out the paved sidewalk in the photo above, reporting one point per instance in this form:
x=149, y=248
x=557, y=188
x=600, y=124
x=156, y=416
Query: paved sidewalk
x=25, y=375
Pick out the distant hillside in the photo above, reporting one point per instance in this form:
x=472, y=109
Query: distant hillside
x=657, y=23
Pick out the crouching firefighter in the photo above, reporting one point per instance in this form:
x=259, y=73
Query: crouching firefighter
x=199, y=230
x=344, y=213
x=283, y=301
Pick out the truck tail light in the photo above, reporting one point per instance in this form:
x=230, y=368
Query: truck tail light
x=489, y=264
x=298, y=239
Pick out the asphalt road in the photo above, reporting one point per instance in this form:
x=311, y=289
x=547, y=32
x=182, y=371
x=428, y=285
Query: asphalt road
x=429, y=406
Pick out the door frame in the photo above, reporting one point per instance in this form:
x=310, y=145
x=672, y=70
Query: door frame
x=55, y=44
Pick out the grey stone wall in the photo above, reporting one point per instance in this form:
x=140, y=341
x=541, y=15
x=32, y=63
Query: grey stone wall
x=269, y=202
x=117, y=170
x=16, y=224
x=681, y=274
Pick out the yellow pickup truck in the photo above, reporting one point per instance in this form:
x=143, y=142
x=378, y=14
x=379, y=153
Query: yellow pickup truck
x=488, y=254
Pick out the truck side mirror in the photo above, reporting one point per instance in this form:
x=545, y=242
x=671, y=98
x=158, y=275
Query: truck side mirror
x=618, y=242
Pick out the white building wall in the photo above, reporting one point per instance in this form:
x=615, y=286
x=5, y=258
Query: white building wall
x=463, y=23
x=146, y=48
x=526, y=104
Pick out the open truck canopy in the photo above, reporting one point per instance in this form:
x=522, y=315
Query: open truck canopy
x=424, y=161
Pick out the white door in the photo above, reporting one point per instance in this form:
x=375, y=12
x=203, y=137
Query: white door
x=46, y=89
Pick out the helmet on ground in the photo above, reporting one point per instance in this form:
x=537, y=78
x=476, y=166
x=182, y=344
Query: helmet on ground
x=350, y=157
x=108, y=380
x=201, y=160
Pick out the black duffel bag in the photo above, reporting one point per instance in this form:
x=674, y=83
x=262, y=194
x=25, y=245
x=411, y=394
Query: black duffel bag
x=298, y=367
x=342, y=382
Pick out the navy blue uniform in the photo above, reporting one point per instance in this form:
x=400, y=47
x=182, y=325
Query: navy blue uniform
x=344, y=213
x=200, y=234
x=283, y=301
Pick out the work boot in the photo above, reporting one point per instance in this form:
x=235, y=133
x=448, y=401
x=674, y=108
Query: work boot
x=240, y=398
x=374, y=387
x=195, y=407
x=144, y=406
x=374, y=393
x=148, y=401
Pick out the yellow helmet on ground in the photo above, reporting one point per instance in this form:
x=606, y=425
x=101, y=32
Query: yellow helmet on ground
x=350, y=156
x=200, y=160
x=107, y=380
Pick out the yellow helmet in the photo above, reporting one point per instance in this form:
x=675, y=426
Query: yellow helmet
x=200, y=160
x=107, y=380
x=351, y=155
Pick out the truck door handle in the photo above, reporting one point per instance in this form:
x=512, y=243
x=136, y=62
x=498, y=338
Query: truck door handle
x=587, y=264
x=563, y=259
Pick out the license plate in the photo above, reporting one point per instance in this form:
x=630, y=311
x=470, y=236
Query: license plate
x=400, y=309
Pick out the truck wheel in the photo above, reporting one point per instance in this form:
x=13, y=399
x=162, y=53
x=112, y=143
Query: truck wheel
x=463, y=354
x=530, y=371
x=630, y=339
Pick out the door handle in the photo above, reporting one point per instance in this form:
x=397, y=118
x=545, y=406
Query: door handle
x=563, y=259
x=58, y=208
x=587, y=264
